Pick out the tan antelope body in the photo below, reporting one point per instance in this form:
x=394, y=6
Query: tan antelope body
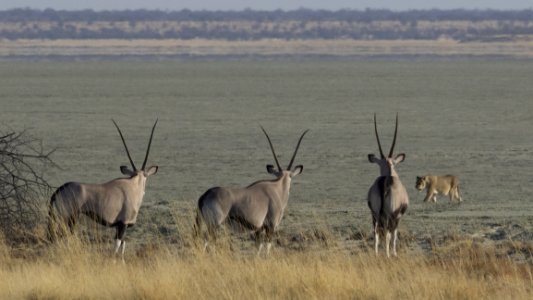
x=447, y=185
x=259, y=206
x=387, y=197
x=115, y=203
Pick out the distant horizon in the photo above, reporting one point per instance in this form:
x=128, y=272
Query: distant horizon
x=268, y=10
x=286, y=5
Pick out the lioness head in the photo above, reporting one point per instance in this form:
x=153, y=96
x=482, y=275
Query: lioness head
x=421, y=182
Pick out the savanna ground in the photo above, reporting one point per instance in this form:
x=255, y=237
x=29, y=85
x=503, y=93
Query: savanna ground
x=468, y=118
x=514, y=47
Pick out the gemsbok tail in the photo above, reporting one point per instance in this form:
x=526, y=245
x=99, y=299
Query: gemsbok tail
x=51, y=232
x=197, y=228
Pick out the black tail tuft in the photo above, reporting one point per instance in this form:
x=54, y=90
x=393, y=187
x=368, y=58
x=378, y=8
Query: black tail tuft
x=384, y=189
x=197, y=228
x=51, y=234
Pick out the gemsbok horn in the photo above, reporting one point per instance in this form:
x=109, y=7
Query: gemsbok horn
x=387, y=197
x=115, y=203
x=259, y=206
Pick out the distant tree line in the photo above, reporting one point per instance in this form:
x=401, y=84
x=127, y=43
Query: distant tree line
x=253, y=25
x=347, y=15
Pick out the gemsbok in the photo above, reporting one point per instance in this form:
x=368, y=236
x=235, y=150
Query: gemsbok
x=258, y=207
x=114, y=204
x=387, y=197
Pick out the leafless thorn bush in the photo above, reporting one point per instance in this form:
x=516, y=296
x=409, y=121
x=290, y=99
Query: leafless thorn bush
x=23, y=187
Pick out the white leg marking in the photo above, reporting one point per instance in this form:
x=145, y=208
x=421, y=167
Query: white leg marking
x=395, y=239
x=387, y=242
x=117, y=245
x=205, y=246
x=123, y=250
x=376, y=242
x=260, y=248
x=269, y=245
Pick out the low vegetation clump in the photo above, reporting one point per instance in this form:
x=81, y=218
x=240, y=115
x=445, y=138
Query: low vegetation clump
x=73, y=268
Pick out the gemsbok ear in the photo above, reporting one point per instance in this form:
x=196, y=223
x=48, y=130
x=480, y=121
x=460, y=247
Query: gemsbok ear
x=126, y=171
x=271, y=169
x=151, y=171
x=297, y=170
x=372, y=158
x=399, y=158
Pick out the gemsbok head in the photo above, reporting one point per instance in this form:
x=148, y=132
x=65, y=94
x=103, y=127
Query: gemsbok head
x=387, y=197
x=115, y=203
x=258, y=207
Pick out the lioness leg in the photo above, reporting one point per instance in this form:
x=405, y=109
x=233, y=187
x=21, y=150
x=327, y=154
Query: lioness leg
x=434, y=198
x=457, y=195
x=428, y=195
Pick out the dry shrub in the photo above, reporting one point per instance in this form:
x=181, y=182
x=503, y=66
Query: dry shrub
x=23, y=162
x=483, y=260
x=518, y=250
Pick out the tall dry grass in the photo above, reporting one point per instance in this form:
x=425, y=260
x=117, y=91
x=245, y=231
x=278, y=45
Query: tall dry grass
x=75, y=269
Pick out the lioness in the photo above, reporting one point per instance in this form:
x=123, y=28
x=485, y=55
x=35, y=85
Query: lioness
x=444, y=185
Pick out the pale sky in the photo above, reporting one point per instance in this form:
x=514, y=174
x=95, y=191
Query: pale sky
x=265, y=4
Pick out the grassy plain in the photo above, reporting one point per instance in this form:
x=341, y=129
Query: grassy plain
x=513, y=48
x=467, y=118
